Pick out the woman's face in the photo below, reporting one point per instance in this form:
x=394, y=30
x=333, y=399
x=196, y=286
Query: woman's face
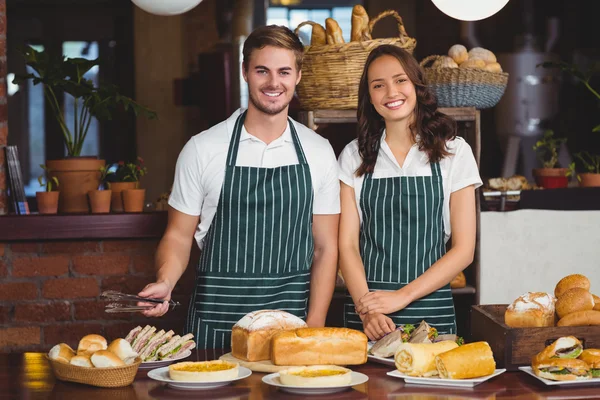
x=392, y=93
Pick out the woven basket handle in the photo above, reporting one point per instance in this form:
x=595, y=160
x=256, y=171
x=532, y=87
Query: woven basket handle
x=426, y=60
x=401, y=31
x=311, y=23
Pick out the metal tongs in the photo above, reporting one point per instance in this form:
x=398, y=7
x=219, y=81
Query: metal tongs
x=120, y=298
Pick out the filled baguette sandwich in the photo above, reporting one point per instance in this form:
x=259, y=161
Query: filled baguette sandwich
x=564, y=347
x=468, y=361
x=561, y=369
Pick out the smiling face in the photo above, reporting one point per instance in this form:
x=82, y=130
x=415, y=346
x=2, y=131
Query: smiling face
x=390, y=89
x=272, y=77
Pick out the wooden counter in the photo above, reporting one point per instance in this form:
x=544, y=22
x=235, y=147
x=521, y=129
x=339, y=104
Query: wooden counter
x=28, y=376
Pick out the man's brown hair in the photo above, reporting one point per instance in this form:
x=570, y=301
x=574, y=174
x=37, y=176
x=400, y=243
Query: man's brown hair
x=276, y=36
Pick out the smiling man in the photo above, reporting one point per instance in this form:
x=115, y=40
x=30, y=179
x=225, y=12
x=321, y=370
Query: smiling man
x=260, y=193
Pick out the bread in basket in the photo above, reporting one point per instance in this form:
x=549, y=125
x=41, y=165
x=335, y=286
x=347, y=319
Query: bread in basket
x=100, y=377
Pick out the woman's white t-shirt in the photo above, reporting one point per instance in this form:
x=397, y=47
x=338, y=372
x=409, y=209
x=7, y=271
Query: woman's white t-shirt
x=459, y=169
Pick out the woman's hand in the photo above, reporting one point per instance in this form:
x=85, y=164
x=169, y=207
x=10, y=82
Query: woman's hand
x=377, y=326
x=381, y=302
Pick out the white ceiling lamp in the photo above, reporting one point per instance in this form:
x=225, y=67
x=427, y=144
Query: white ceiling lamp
x=166, y=7
x=469, y=10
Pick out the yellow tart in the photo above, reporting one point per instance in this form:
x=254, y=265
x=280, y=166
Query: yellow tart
x=316, y=376
x=203, y=371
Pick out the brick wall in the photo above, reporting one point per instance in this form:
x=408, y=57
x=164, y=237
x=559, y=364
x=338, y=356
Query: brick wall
x=49, y=291
x=3, y=110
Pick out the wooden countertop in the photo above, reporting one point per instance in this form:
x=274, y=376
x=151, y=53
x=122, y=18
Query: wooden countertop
x=28, y=376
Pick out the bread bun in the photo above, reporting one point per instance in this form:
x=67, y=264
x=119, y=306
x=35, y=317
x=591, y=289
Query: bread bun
x=493, y=67
x=596, y=302
x=533, y=309
x=61, y=352
x=479, y=53
x=473, y=64
x=91, y=343
x=203, y=371
x=458, y=53
x=576, y=299
x=570, y=282
x=580, y=318
x=316, y=376
x=123, y=350
x=459, y=281
x=592, y=357
x=563, y=347
x=568, y=369
x=444, y=62
x=106, y=359
x=82, y=360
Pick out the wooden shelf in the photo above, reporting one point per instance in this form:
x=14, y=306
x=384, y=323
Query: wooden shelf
x=465, y=290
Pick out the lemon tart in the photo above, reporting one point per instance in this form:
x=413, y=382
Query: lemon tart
x=203, y=371
x=316, y=376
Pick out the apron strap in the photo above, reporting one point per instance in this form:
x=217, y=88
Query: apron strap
x=234, y=144
x=435, y=169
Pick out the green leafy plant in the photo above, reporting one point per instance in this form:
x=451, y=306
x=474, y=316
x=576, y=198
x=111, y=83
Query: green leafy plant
x=583, y=77
x=591, y=162
x=66, y=75
x=105, y=171
x=547, y=149
x=129, y=171
x=48, y=182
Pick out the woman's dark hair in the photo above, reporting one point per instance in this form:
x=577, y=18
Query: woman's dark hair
x=433, y=127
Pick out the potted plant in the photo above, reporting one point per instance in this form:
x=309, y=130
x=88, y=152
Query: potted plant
x=591, y=163
x=133, y=198
x=100, y=198
x=47, y=200
x=550, y=176
x=78, y=175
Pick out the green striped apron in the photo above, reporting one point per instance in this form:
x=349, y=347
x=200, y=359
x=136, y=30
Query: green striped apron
x=401, y=236
x=259, y=248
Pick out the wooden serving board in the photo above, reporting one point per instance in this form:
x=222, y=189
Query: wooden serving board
x=256, y=366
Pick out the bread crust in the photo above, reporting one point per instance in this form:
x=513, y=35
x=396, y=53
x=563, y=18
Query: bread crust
x=573, y=300
x=459, y=281
x=318, y=36
x=596, y=302
x=561, y=343
x=471, y=360
x=319, y=346
x=570, y=282
x=533, y=309
x=418, y=359
x=591, y=357
x=360, y=24
x=91, y=343
x=334, y=32
x=573, y=363
x=580, y=318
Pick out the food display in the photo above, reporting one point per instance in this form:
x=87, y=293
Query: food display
x=471, y=360
x=316, y=376
x=161, y=345
x=251, y=335
x=418, y=359
x=93, y=352
x=319, y=346
x=565, y=360
x=203, y=371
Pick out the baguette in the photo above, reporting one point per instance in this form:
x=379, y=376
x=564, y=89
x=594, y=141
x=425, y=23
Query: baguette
x=333, y=31
x=319, y=346
x=580, y=318
x=471, y=360
x=318, y=36
x=360, y=24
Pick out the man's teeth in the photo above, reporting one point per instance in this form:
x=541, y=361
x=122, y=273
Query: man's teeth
x=395, y=103
x=273, y=94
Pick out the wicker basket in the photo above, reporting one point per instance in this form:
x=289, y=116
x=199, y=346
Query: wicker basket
x=461, y=87
x=101, y=377
x=331, y=73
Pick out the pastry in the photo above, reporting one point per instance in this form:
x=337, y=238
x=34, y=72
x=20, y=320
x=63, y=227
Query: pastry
x=203, y=371
x=580, y=318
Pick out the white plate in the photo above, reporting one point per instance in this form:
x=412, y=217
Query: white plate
x=380, y=360
x=273, y=380
x=162, y=375
x=587, y=382
x=437, y=381
x=162, y=363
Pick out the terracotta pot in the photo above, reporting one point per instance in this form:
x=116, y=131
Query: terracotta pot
x=116, y=201
x=133, y=200
x=76, y=177
x=551, y=178
x=47, y=202
x=589, y=180
x=100, y=201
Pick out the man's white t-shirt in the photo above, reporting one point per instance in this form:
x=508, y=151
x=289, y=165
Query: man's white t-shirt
x=459, y=170
x=200, y=168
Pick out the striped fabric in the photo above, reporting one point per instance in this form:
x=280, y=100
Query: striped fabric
x=401, y=236
x=259, y=247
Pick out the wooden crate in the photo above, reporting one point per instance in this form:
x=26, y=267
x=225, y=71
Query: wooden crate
x=514, y=347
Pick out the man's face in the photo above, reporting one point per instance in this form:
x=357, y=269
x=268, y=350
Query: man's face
x=272, y=77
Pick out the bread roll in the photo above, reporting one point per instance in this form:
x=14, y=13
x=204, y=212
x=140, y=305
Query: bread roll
x=591, y=357
x=580, y=318
x=473, y=64
x=123, y=350
x=564, y=347
x=319, y=346
x=562, y=369
x=360, y=24
x=251, y=335
x=533, y=309
x=418, y=359
x=596, y=302
x=82, y=360
x=458, y=53
x=106, y=359
x=471, y=360
x=570, y=282
x=493, y=67
x=334, y=32
x=459, y=281
x=318, y=37
x=480, y=53
x=576, y=299
x=91, y=343
x=61, y=352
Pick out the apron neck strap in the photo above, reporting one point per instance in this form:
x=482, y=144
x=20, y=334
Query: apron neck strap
x=234, y=144
x=435, y=169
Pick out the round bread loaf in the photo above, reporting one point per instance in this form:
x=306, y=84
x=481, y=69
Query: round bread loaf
x=61, y=352
x=82, y=360
x=106, y=359
x=123, y=350
x=570, y=282
x=533, y=309
x=576, y=299
x=91, y=343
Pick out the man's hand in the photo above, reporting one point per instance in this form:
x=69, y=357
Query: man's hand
x=157, y=290
x=381, y=302
x=377, y=326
